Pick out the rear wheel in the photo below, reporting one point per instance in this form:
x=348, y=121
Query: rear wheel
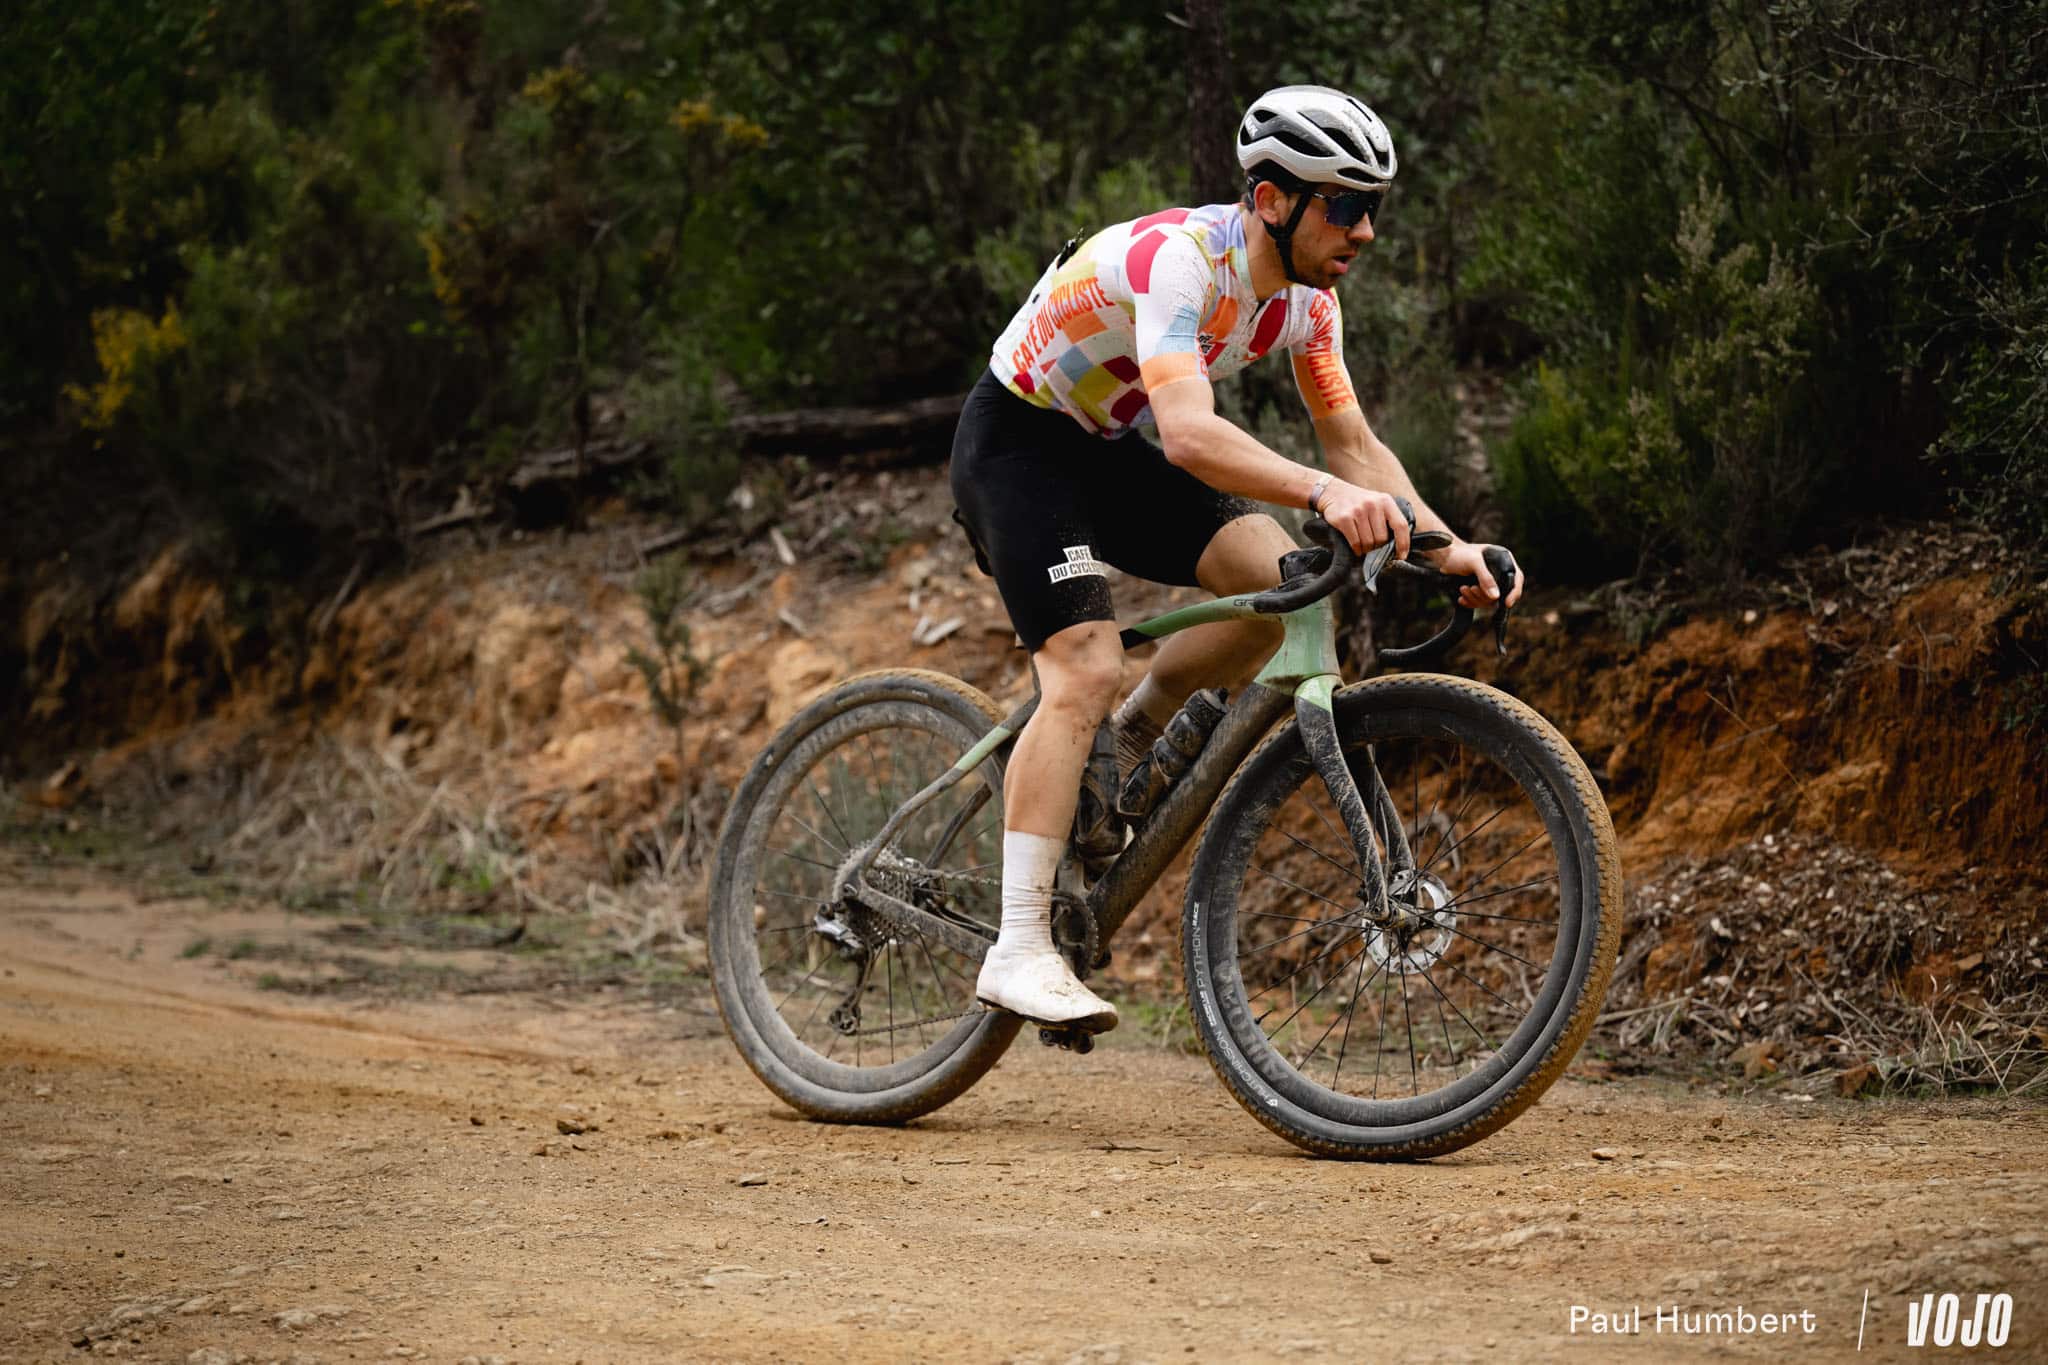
x=1414, y=1029
x=837, y=1012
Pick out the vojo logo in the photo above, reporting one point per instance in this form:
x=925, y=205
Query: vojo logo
x=1939, y=1321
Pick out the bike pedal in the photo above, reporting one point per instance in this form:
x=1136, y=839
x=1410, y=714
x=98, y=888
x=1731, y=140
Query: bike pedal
x=1071, y=1039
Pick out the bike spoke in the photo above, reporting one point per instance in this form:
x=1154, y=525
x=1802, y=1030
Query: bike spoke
x=1302, y=1005
x=1460, y=902
x=1343, y=840
x=789, y=896
x=799, y=858
x=1325, y=953
x=1491, y=948
x=1450, y=827
x=1379, y=1051
x=845, y=842
x=818, y=833
x=1444, y=999
x=1414, y=1076
x=1477, y=982
x=1539, y=834
x=922, y=1038
x=808, y=1018
x=1350, y=870
x=1469, y=834
x=1302, y=889
x=1269, y=947
x=1349, y=1007
x=1350, y=1012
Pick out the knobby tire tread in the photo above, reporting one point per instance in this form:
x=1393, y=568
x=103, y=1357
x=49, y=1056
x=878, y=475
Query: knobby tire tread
x=993, y=1036
x=1589, y=812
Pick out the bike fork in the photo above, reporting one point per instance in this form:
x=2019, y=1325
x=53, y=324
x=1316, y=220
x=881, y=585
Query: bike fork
x=1366, y=814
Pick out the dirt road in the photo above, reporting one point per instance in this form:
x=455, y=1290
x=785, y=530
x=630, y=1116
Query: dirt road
x=194, y=1168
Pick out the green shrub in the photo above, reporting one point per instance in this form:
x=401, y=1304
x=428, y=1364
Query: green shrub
x=1720, y=463
x=1997, y=437
x=1559, y=474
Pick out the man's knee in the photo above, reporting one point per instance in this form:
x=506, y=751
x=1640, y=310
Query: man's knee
x=1244, y=556
x=1081, y=667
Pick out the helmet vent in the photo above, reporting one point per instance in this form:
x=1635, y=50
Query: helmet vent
x=1297, y=142
x=1348, y=143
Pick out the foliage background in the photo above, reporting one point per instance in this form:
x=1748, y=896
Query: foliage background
x=276, y=277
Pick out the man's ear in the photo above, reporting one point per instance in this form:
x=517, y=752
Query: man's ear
x=1271, y=203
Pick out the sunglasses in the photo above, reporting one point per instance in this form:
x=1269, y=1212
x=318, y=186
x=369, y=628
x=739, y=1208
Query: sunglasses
x=1343, y=210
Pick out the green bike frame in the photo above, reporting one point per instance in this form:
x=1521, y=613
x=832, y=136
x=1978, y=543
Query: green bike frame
x=1303, y=676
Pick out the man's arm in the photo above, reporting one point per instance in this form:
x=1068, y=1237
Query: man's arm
x=1225, y=456
x=1359, y=458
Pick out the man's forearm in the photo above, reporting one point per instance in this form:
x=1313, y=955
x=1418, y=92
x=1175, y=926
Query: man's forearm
x=1369, y=464
x=1226, y=457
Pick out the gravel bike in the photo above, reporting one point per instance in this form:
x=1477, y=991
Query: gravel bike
x=1399, y=923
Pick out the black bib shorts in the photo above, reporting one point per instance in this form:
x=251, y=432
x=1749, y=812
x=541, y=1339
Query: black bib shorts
x=1049, y=503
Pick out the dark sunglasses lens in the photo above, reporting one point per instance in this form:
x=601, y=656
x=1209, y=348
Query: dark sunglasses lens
x=1346, y=209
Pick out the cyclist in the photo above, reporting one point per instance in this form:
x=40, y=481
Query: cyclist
x=1131, y=326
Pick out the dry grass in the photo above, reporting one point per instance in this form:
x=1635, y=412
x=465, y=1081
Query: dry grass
x=340, y=824
x=1799, y=957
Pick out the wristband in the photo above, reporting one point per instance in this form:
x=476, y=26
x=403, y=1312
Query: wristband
x=1316, y=493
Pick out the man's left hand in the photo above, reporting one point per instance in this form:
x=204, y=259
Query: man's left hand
x=1467, y=560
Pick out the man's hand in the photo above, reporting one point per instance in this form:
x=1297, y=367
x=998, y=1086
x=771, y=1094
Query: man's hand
x=1466, y=560
x=1365, y=518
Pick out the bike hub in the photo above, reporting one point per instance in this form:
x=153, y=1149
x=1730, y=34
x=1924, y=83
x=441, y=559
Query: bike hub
x=1418, y=927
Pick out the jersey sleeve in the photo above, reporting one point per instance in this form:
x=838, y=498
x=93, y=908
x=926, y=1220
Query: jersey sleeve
x=1171, y=285
x=1319, y=359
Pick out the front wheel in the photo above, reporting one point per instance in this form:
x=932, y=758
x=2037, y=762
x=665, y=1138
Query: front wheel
x=838, y=1012
x=1419, y=1026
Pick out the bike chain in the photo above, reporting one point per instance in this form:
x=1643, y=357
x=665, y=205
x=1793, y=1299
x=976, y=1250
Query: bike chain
x=1090, y=941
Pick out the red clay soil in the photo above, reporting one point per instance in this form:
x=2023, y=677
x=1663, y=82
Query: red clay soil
x=1884, y=700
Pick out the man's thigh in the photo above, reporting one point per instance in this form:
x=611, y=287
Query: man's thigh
x=1244, y=555
x=1157, y=521
x=1033, y=512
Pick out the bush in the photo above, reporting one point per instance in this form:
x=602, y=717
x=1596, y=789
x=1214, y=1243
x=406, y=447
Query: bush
x=1998, y=422
x=1720, y=461
x=1559, y=475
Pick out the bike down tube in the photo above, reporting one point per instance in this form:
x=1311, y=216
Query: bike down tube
x=1308, y=648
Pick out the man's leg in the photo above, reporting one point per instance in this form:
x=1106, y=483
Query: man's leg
x=1243, y=556
x=1077, y=676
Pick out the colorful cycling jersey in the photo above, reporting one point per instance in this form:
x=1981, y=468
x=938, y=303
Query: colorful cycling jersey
x=1163, y=298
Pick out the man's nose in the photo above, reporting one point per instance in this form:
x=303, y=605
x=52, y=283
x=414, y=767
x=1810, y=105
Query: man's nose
x=1361, y=231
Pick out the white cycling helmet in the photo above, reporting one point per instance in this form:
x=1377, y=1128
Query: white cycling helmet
x=1317, y=135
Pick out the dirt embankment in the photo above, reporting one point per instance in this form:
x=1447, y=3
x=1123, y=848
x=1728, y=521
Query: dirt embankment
x=1881, y=705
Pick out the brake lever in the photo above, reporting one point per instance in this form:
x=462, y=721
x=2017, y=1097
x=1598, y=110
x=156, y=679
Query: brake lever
x=1501, y=565
x=1376, y=561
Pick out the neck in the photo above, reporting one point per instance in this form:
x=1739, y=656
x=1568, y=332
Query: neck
x=1262, y=253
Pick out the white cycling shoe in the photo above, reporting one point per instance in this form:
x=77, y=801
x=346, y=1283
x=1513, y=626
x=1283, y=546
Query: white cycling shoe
x=1037, y=984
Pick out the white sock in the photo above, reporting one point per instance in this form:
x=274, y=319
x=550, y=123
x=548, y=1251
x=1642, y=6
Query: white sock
x=1031, y=863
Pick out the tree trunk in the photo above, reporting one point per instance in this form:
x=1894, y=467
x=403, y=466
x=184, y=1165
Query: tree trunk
x=1212, y=110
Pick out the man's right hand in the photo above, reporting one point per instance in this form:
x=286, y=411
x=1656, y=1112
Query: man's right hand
x=1365, y=518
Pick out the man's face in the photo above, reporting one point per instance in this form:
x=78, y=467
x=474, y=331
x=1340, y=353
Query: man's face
x=1330, y=249
x=1323, y=252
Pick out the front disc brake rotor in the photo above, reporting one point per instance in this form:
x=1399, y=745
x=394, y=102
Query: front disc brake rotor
x=1423, y=927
